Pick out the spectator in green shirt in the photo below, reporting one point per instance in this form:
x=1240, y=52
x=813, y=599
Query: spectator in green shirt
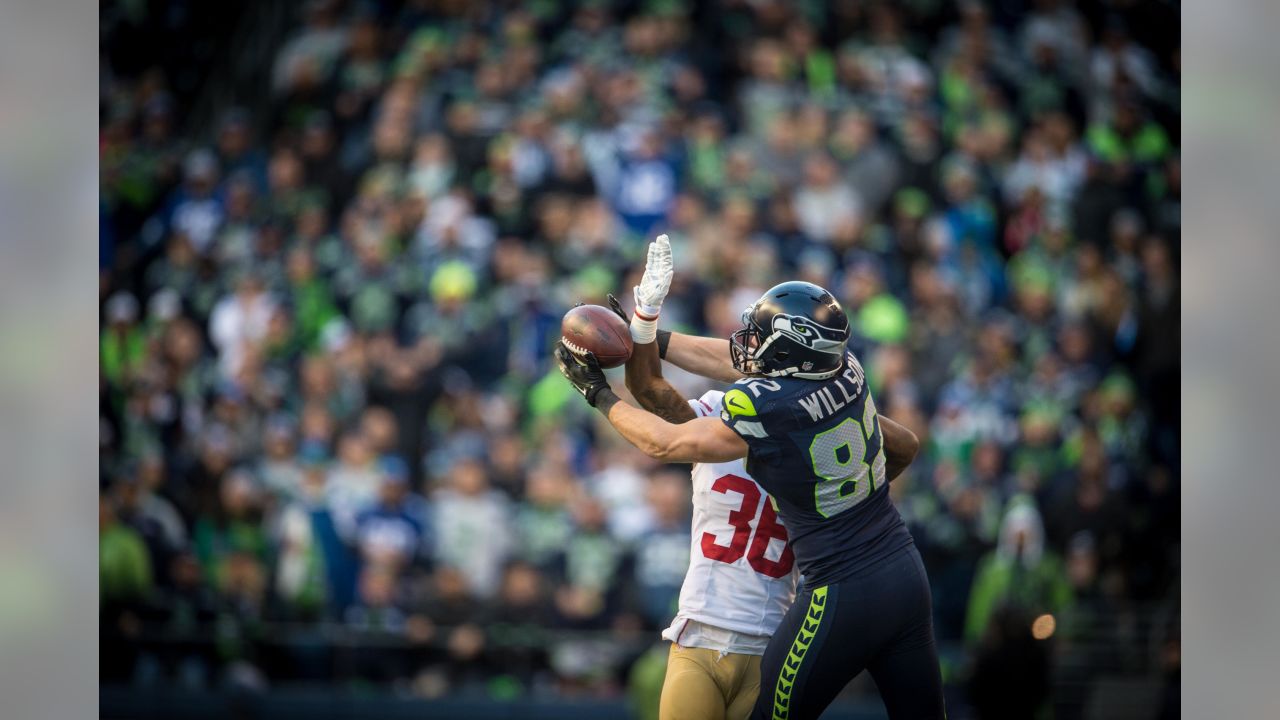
x=124, y=567
x=313, y=300
x=1019, y=572
x=1129, y=138
x=123, y=344
x=234, y=531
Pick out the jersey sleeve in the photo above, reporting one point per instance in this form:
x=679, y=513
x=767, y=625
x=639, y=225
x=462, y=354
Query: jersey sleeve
x=753, y=416
x=708, y=405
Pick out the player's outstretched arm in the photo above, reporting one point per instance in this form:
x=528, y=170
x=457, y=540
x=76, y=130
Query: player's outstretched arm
x=645, y=381
x=651, y=390
x=698, y=440
x=900, y=446
x=708, y=357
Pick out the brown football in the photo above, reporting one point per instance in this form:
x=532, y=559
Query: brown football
x=598, y=330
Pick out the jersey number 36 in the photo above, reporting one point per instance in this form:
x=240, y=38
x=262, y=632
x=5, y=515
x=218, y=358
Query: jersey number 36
x=768, y=528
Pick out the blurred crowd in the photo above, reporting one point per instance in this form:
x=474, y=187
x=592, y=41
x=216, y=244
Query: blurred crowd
x=327, y=406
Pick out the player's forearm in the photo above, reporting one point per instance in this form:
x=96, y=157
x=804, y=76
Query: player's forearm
x=651, y=390
x=652, y=435
x=644, y=367
x=708, y=357
x=699, y=440
x=900, y=446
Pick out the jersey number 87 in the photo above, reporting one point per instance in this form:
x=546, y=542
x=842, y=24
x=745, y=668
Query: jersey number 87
x=845, y=460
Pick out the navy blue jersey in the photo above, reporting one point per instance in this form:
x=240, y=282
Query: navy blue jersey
x=815, y=446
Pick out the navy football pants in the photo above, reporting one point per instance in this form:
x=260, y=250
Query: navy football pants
x=880, y=621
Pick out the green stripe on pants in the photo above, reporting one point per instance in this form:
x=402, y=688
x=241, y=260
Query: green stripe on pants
x=791, y=666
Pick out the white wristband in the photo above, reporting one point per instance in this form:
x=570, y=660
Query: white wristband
x=643, y=331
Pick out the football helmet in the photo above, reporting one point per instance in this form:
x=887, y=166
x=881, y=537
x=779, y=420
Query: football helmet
x=796, y=329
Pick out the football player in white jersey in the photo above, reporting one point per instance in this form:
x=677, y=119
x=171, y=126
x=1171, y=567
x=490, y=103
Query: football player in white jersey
x=741, y=576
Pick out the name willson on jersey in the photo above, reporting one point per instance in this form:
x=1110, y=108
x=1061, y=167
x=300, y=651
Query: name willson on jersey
x=823, y=402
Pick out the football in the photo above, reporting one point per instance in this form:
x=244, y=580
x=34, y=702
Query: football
x=598, y=330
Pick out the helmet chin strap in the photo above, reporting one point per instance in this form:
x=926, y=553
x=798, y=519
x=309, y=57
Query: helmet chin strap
x=795, y=373
x=810, y=376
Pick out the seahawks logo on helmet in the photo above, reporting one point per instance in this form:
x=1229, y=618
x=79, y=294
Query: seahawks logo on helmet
x=796, y=329
x=809, y=333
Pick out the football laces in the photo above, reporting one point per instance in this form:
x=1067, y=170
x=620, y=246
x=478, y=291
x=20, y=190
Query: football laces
x=576, y=350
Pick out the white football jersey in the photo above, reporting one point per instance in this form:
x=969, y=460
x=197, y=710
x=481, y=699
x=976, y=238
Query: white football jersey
x=741, y=571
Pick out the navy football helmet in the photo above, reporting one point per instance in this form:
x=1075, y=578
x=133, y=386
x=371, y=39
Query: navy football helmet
x=796, y=329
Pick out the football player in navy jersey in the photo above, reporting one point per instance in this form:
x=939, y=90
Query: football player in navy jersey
x=804, y=419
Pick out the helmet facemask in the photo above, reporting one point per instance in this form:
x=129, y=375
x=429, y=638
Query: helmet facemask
x=745, y=343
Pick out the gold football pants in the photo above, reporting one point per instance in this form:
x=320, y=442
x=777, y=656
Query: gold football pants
x=702, y=684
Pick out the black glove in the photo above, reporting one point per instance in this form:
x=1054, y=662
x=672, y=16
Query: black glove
x=616, y=306
x=584, y=373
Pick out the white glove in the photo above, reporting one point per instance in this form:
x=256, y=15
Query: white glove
x=652, y=290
